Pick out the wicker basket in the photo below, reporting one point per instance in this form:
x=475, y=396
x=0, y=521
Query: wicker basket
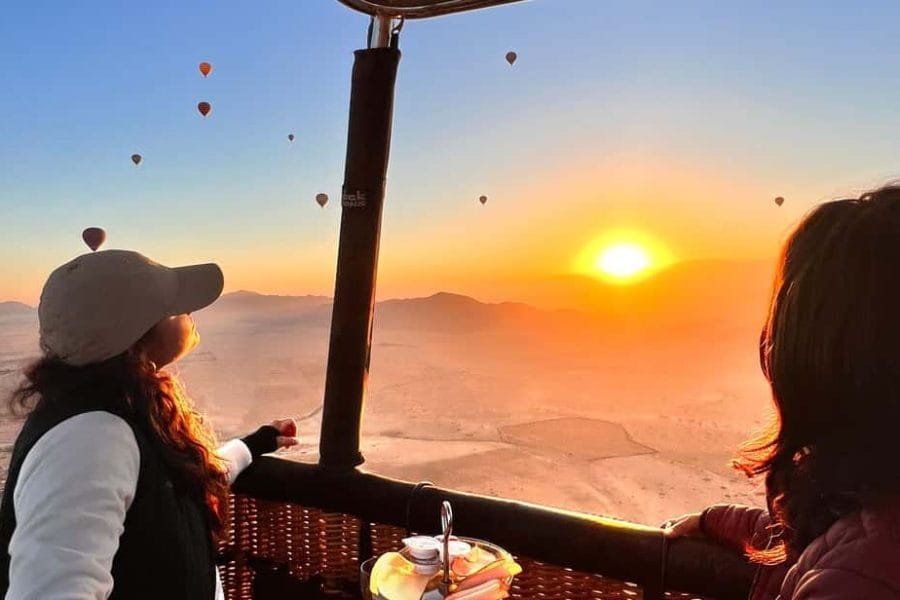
x=281, y=550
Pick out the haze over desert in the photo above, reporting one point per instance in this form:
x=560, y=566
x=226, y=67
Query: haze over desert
x=634, y=418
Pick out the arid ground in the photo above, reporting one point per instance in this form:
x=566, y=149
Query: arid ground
x=631, y=416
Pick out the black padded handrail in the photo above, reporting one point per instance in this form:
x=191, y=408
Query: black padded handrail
x=420, y=9
x=609, y=547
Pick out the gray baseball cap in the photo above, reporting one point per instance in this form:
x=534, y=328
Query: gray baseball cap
x=99, y=304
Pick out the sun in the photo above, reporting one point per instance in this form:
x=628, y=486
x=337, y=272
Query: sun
x=622, y=256
x=623, y=261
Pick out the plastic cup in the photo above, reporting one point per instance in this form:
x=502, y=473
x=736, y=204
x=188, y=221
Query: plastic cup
x=365, y=575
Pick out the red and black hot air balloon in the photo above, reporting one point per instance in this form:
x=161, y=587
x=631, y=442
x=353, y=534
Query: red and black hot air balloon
x=204, y=107
x=93, y=237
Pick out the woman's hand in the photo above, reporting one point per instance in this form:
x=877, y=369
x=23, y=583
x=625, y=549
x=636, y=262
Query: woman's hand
x=278, y=434
x=684, y=526
x=287, y=432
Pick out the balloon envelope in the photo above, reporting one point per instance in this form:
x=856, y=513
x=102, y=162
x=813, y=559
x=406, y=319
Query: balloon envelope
x=511, y=57
x=779, y=200
x=291, y=137
x=483, y=199
x=322, y=199
x=136, y=159
x=204, y=108
x=205, y=68
x=93, y=237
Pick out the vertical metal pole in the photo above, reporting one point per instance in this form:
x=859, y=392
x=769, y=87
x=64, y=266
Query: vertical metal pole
x=382, y=27
x=368, y=147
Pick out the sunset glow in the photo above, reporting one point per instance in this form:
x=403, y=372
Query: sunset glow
x=686, y=175
x=528, y=262
x=623, y=256
x=623, y=261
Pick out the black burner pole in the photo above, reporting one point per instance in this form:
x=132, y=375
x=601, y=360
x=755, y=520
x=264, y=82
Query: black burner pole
x=368, y=148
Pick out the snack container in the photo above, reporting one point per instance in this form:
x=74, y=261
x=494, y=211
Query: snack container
x=366, y=567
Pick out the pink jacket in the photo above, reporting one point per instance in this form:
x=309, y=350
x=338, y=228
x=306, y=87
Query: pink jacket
x=857, y=558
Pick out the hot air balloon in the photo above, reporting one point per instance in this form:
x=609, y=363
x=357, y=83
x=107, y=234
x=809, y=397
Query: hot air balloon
x=291, y=137
x=322, y=199
x=93, y=237
x=511, y=57
x=779, y=200
x=483, y=199
x=204, y=108
x=205, y=68
x=136, y=159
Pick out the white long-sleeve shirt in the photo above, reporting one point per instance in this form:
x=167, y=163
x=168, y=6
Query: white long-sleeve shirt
x=74, y=488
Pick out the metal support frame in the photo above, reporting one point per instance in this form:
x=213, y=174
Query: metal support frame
x=368, y=149
x=576, y=541
x=381, y=30
x=420, y=9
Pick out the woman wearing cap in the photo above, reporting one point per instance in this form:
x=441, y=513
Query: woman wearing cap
x=116, y=488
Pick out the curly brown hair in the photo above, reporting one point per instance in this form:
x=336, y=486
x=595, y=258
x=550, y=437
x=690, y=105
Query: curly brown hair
x=157, y=401
x=830, y=350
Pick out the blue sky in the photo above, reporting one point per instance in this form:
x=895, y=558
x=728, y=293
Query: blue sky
x=796, y=100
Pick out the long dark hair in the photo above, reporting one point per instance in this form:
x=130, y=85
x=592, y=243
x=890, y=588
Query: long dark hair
x=156, y=400
x=831, y=352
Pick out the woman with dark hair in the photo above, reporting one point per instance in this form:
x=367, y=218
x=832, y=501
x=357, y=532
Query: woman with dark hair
x=116, y=488
x=830, y=350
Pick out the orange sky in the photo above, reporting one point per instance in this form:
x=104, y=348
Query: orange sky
x=529, y=231
x=484, y=250
x=679, y=127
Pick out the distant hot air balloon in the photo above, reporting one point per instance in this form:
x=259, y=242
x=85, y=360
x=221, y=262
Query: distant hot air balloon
x=93, y=237
x=136, y=159
x=483, y=199
x=291, y=137
x=322, y=199
x=204, y=108
x=779, y=200
x=511, y=57
x=205, y=68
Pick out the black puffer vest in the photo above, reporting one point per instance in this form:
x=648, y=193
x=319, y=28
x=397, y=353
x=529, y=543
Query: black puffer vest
x=165, y=551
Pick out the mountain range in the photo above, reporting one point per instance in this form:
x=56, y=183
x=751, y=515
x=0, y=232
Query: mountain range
x=686, y=294
x=11, y=308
